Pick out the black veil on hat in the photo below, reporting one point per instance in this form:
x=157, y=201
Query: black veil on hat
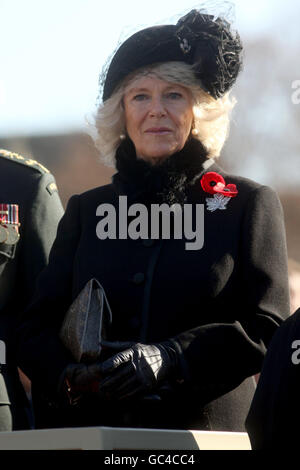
x=205, y=42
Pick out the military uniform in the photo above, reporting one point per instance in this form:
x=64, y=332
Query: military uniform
x=30, y=209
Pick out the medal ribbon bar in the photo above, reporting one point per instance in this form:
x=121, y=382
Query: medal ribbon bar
x=9, y=223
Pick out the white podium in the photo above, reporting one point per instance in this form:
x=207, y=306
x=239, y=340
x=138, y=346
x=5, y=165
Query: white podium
x=107, y=438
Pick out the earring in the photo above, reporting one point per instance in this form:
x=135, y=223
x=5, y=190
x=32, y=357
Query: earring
x=195, y=131
x=122, y=136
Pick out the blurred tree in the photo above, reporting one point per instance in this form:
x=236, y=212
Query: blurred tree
x=264, y=141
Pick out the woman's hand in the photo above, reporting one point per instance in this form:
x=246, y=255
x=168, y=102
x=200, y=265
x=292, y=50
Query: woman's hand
x=80, y=379
x=137, y=369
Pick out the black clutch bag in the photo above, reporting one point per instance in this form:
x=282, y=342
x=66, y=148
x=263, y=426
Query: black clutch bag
x=85, y=326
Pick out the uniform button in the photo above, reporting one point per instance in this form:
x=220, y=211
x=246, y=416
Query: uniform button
x=138, y=278
x=148, y=242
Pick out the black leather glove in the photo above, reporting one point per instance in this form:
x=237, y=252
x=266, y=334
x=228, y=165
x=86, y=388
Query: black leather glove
x=137, y=369
x=79, y=379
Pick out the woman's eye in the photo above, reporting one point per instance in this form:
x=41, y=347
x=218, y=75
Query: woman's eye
x=140, y=97
x=174, y=95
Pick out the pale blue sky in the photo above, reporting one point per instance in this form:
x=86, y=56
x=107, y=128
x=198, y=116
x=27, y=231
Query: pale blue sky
x=51, y=51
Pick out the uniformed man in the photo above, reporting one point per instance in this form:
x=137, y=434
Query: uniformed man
x=30, y=209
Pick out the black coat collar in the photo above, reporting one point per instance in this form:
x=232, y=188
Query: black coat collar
x=167, y=182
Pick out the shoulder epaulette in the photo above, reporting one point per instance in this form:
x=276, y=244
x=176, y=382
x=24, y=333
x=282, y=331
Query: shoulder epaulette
x=15, y=157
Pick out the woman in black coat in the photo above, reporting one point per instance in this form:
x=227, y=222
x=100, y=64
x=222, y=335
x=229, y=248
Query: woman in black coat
x=197, y=298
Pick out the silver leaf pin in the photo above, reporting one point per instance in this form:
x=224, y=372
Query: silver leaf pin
x=217, y=202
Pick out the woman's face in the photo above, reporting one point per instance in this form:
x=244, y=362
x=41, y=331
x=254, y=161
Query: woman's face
x=158, y=117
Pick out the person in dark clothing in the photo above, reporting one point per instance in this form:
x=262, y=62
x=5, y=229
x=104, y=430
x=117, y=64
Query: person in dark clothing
x=30, y=210
x=273, y=419
x=198, y=295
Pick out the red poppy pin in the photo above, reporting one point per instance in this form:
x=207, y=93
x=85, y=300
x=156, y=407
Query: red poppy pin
x=213, y=183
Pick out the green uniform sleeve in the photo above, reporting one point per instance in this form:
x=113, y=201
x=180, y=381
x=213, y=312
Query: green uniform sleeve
x=43, y=213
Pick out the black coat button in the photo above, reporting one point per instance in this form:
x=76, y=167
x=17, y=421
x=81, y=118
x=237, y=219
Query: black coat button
x=135, y=323
x=148, y=242
x=138, y=278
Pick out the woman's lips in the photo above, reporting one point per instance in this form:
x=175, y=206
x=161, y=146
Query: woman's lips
x=158, y=130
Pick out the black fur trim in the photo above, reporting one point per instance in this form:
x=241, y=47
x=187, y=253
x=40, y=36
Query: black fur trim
x=165, y=182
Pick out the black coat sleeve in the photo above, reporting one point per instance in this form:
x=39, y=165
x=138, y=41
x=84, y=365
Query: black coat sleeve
x=41, y=355
x=273, y=419
x=219, y=356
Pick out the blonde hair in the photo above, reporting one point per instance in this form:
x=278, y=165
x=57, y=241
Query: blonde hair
x=211, y=117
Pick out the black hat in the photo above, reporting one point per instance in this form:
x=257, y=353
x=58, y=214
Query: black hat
x=206, y=43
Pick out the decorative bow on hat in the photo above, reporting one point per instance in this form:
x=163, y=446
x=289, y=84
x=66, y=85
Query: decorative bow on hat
x=215, y=51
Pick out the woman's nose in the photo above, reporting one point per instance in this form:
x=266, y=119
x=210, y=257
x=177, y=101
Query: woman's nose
x=157, y=107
